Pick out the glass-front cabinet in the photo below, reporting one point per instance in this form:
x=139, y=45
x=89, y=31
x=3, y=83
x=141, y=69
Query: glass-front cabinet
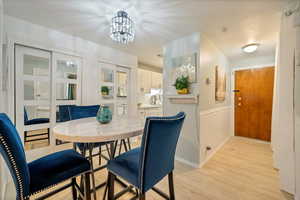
x=67, y=85
x=43, y=81
x=33, y=96
x=114, y=88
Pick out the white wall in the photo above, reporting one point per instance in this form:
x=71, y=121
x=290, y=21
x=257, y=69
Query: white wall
x=283, y=123
x=91, y=53
x=215, y=117
x=2, y=188
x=188, y=148
x=208, y=122
x=1, y=67
x=297, y=106
x=254, y=61
x=215, y=130
x=210, y=57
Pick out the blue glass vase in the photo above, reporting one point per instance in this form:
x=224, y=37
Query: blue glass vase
x=104, y=114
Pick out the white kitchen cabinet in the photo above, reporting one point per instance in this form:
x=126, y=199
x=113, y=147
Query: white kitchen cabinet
x=148, y=79
x=156, y=80
x=150, y=111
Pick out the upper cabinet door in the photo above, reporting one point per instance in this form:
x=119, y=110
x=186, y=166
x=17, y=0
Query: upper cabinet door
x=66, y=85
x=107, y=81
x=156, y=81
x=122, y=90
x=67, y=79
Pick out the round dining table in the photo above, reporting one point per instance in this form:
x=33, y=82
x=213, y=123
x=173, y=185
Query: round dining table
x=90, y=131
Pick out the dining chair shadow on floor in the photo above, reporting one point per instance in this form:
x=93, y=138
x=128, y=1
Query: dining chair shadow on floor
x=44, y=173
x=144, y=167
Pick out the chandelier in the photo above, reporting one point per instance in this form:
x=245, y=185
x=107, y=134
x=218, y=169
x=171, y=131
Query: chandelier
x=122, y=28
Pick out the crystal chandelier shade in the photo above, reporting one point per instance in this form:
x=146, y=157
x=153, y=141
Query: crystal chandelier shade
x=122, y=28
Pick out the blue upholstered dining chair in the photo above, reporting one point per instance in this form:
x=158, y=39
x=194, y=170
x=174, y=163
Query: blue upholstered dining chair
x=44, y=173
x=63, y=114
x=27, y=122
x=144, y=167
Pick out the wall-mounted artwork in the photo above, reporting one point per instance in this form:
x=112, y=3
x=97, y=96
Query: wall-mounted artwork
x=220, y=87
x=184, y=66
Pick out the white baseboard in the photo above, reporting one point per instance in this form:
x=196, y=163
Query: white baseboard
x=214, y=152
x=191, y=164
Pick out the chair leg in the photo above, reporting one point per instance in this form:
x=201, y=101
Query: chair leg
x=106, y=188
x=108, y=151
x=83, y=153
x=129, y=143
x=120, y=149
x=25, y=136
x=75, y=147
x=93, y=173
x=87, y=188
x=111, y=186
x=48, y=135
x=125, y=145
x=100, y=153
x=74, y=191
x=171, y=186
x=142, y=196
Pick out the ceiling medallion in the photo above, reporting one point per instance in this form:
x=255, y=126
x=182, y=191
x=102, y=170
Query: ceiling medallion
x=122, y=28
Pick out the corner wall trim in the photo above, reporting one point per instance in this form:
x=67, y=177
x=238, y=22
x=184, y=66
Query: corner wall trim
x=191, y=164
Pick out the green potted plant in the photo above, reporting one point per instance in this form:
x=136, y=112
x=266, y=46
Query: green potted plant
x=182, y=85
x=104, y=90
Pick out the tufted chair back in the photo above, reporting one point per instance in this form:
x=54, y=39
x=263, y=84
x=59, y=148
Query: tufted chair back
x=78, y=112
x=158, y=148
x=12, y=151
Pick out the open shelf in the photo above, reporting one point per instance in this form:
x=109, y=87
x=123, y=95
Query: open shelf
x=183, y=98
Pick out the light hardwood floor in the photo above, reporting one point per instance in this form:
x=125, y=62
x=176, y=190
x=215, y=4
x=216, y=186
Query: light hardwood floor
x=240, y=170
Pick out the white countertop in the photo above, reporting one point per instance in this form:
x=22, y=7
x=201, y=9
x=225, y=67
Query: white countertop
x=149, y=106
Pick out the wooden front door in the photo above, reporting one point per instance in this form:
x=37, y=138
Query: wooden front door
x=253, y=103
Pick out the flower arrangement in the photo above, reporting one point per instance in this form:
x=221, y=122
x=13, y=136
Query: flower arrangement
x=182, y=84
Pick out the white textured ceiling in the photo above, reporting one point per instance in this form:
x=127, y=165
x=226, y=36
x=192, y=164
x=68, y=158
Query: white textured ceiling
x=160, y=21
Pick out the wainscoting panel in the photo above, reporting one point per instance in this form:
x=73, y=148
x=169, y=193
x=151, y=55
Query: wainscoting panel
x=215, y=130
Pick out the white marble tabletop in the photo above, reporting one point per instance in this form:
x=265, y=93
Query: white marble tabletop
x=89, y=130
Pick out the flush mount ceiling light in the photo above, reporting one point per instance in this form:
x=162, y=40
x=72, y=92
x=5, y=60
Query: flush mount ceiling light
x=122, y=28
x=250, y=48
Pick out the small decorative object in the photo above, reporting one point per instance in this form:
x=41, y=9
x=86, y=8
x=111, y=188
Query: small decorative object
x=104, y=90
x=207, y=81
x=220, y=86
x=182, y=85
x=104, y=114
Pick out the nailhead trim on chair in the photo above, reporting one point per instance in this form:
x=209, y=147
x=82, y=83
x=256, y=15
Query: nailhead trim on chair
x=19, y=188
x=145, y=146
x=19, y=179
x=20, y=191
